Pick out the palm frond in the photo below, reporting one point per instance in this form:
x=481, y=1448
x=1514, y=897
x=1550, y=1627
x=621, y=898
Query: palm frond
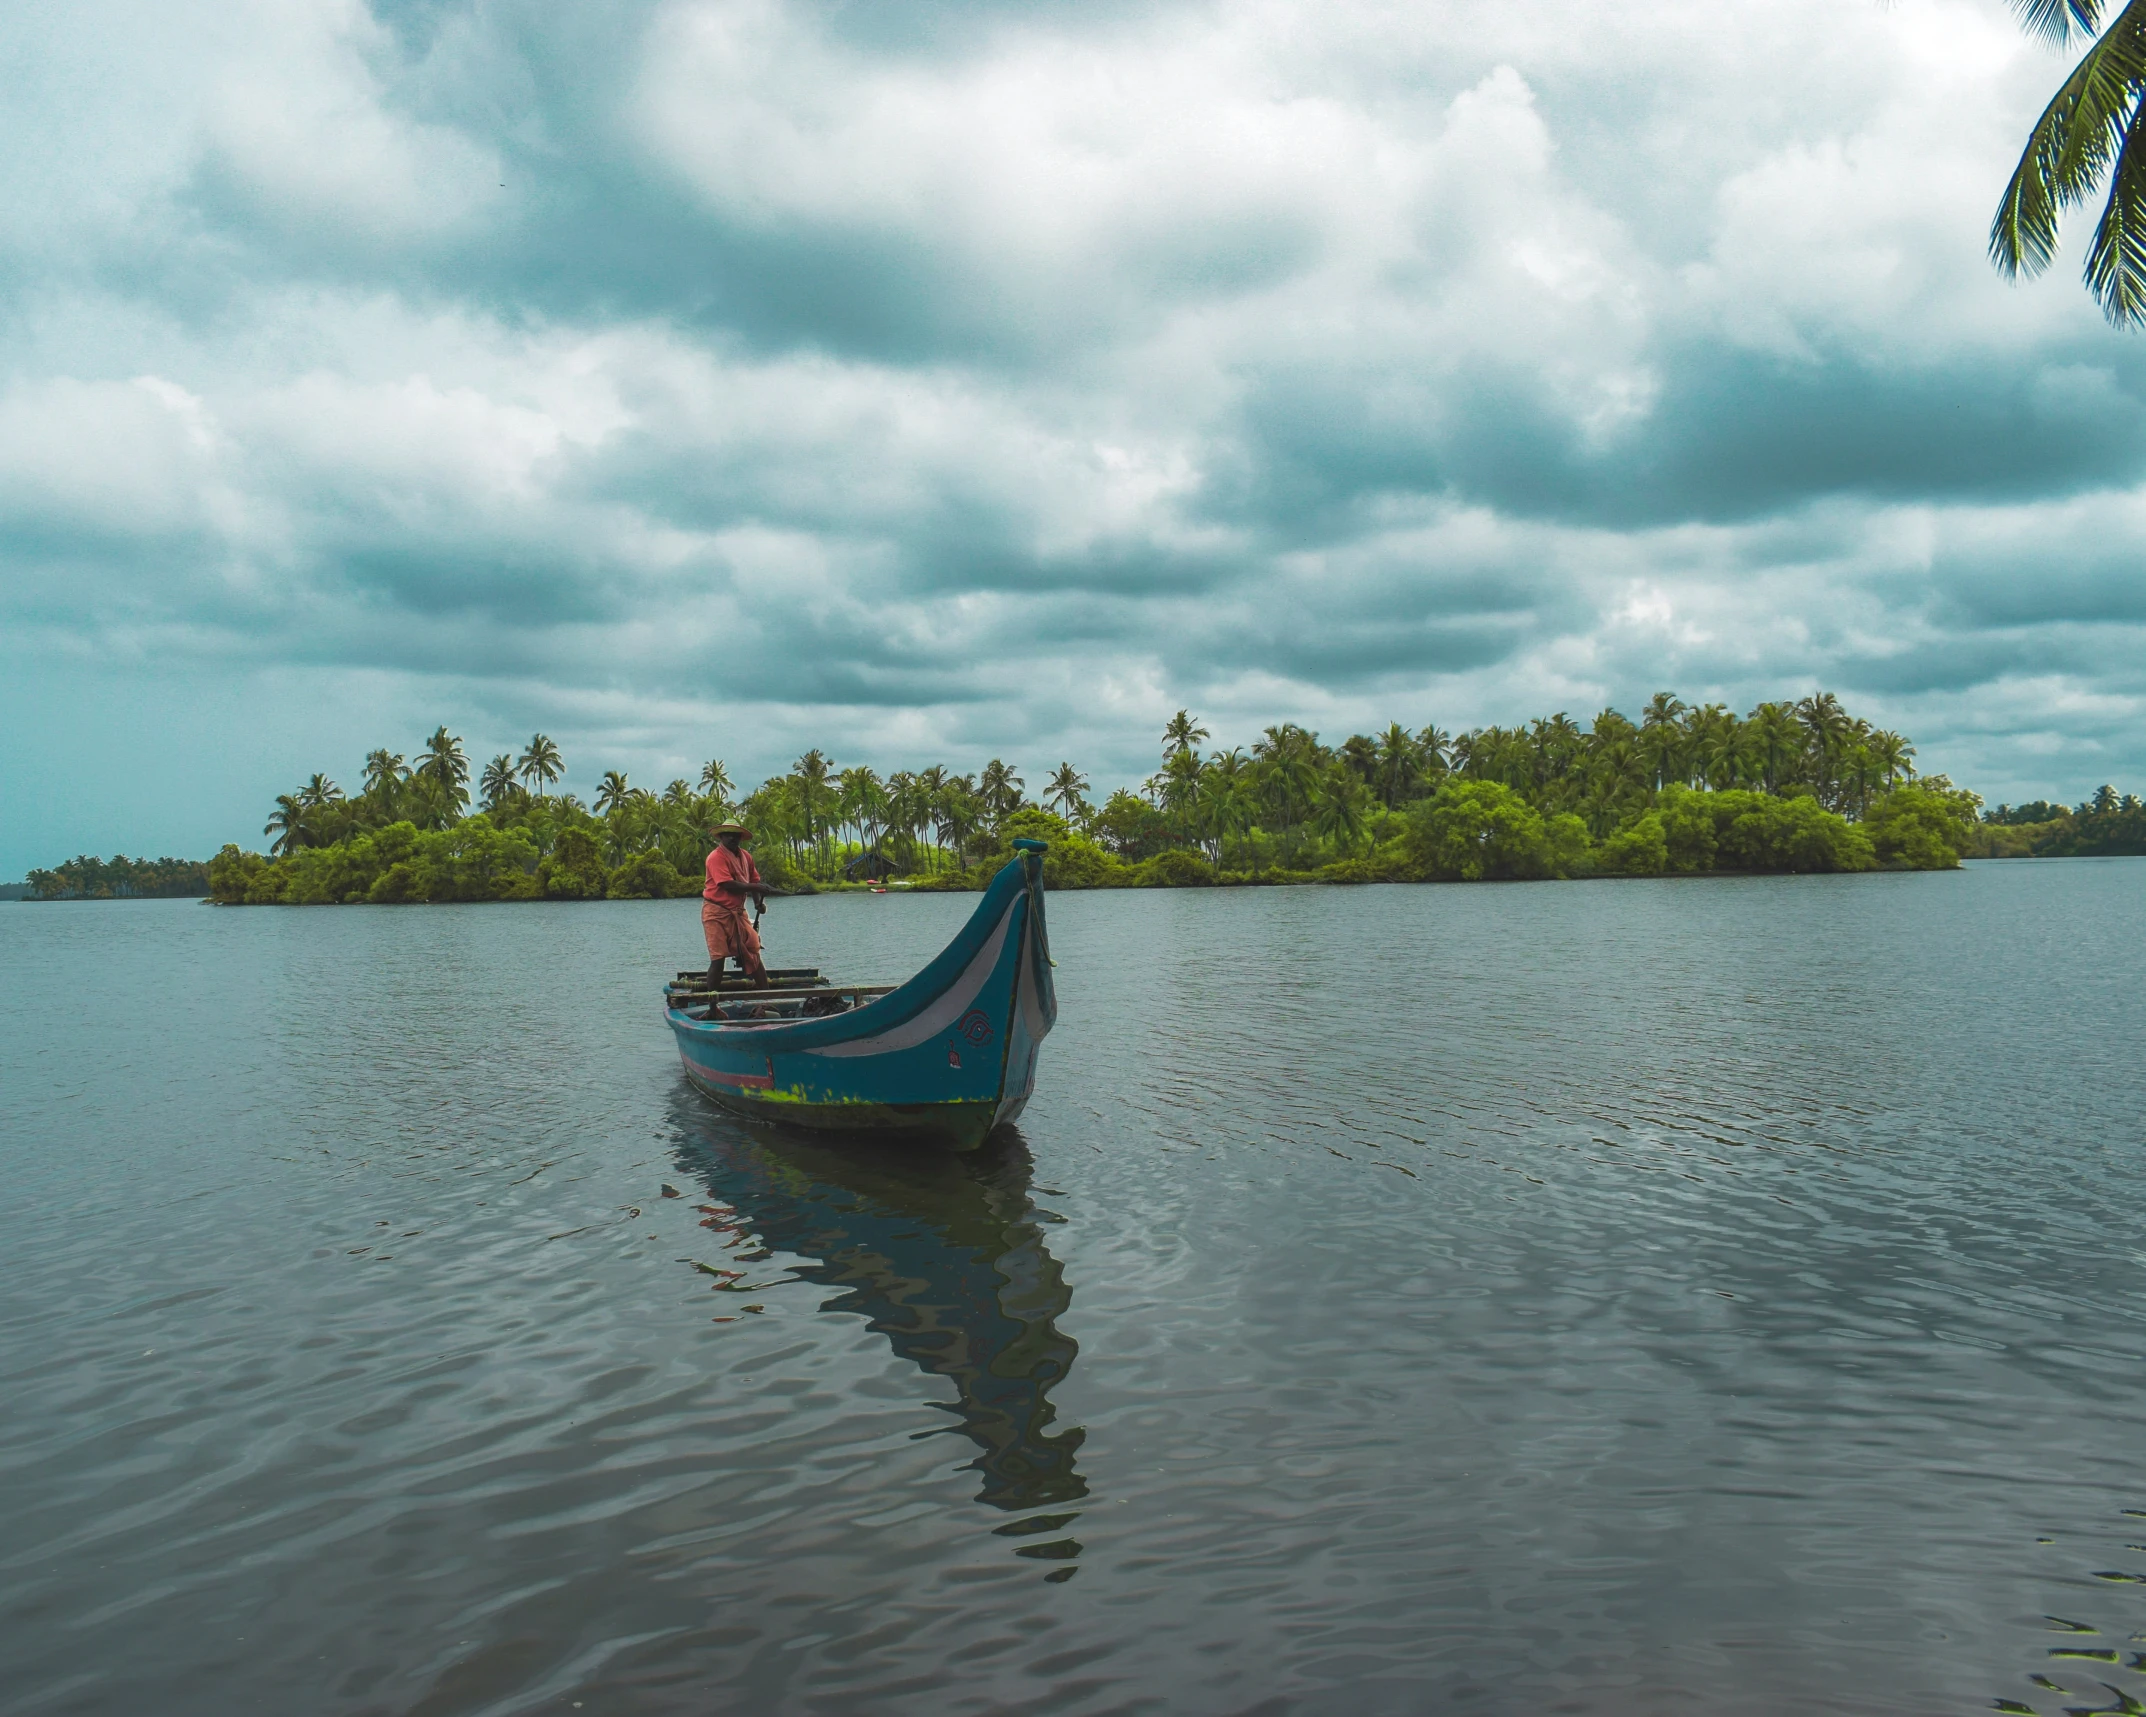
x=2070, y=146
x=2116, y=260
x=2057, y=21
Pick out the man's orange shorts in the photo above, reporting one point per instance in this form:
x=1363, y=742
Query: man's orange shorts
x=730, y=935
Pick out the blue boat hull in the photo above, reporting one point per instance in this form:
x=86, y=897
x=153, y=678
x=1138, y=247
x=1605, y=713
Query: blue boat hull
x=948, y=1056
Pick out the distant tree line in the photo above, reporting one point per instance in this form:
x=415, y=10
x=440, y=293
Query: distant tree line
x=119, y=878
x=2107, y=825
x=1799, y=786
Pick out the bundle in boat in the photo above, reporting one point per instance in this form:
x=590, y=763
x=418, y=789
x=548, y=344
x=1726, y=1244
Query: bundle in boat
x=950, y=1053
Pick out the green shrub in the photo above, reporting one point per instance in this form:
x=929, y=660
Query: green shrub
x=232, y=875
x=1742, y=830
x=1640, y=848
x=1795, y=835
x=1482, y=831
x=575, y=869
x=1916, y=828
x=1690, y=823
x=399, y=885
x=645, y=876
x=1175, y=869
x=1032, y=823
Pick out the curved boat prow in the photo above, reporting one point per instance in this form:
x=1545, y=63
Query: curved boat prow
x=951, y=1054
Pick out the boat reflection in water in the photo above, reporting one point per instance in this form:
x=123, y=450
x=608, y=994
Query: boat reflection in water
x=942, y=1254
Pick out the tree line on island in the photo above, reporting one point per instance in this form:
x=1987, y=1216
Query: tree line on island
x=1789, y=787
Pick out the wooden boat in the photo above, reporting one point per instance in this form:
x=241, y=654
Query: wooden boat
x=947, y=1056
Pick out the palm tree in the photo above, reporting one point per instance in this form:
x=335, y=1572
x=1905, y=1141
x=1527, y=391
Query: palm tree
x=715, y=780
x=445, y=766
x=287, y=822
x=540, y=762
x=814, y=797
x=930, y=788
x=1892, y=753
x=1288, y=770
x=1181, y=733
x=1661, y=738
x=1067, y=789
x=1179, y=782
x=1860, y=772
x=498, y=783
x=612, y=794
x=1398, y=767
x=861, y=801
x=2090, y=128
x=1000, y=789
x=1433, y=747
x=1339, y=813
x=384, y=772
x=1775, y=742
x=1721, y=748
x=1225, y=800
x=957, y=813
x=317, y=792
x=1829, y=732
x=1558, y=744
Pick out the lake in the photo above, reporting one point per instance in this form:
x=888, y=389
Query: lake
x=1711, y=1296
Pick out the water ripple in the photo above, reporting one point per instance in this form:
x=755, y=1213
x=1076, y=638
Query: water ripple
x=1602, y=1298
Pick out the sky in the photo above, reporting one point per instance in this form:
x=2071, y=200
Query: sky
x=930, y=382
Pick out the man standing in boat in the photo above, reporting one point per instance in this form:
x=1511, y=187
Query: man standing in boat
x=733, y=879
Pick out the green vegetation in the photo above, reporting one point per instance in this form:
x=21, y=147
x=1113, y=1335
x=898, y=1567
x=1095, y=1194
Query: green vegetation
x=2105, y=826
x=408, y=835
x=119, y=878
x=1789, y=787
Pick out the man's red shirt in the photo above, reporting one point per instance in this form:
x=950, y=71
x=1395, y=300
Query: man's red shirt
x=727, y=866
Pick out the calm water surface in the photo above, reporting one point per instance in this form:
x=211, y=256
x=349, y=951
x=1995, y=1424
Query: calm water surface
x=1718, y=1296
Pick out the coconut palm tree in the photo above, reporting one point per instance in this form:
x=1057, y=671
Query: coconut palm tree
x=1892, y=753
x=2089, y=130
x=814, y=797
x=1288, y=769
x=498, y=783
x=930, y=789
x=1721, y=748
x=715, y=780
x=1776, y=742
x=612, y=793
x=540, y=762
x=1340, y=809
x=861, y=801
x=319, y=791
x=384, y=771
x=1000, y=789
x=445, y=767
x=1224, y=803
x=1181, y=733
x=1068, y=790
x=1398, y=767
x=957, y=813
x=287, y=822
x=1828, y=732
x=1662, y=737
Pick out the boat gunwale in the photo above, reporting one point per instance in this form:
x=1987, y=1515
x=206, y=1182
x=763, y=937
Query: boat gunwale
x=884, y=1013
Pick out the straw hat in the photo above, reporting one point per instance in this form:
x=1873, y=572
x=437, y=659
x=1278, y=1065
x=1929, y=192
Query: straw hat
x=731, y=829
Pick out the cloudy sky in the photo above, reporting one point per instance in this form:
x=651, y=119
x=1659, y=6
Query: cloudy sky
x=934, y=381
